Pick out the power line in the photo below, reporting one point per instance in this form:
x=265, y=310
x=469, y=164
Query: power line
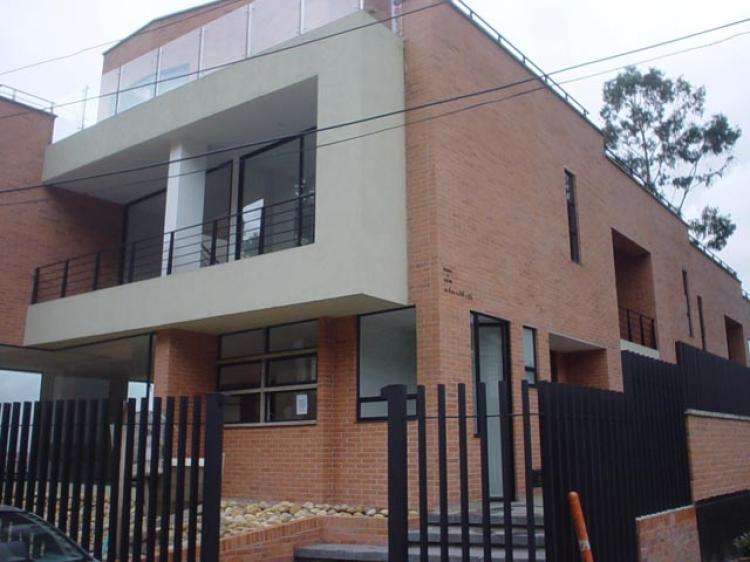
x=143, y=31
x=154, y=83
x=425, y=105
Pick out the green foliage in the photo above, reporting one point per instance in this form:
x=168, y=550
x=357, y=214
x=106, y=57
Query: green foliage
x=656, y=125
x=742, y=544
x=713, y=228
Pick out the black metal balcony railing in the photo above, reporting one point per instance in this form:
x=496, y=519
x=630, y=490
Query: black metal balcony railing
x=252, y=232
x=637, y=328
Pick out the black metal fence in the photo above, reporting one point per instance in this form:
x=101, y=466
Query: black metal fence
x=488, y=528
x=254, y=231
x=624, y=453
x=125, y=483
x=713, y=383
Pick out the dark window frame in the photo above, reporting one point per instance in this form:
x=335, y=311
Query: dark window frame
x=372, y=399
x=535, y=349
x=686, y=290
x=266, y=357
x=701, y=323
x=572, y=209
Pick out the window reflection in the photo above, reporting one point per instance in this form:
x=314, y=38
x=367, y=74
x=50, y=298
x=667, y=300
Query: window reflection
x=138, y=80
x=225, y=40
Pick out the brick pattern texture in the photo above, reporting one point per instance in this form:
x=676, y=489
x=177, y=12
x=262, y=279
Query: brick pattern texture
x=42, y=225
x=671, y=536
x=719, y=456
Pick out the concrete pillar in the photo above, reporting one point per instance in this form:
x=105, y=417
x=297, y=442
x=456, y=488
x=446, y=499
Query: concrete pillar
x=184, y=207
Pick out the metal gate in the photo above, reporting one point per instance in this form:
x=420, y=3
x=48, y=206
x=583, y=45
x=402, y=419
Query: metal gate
x=126, y=480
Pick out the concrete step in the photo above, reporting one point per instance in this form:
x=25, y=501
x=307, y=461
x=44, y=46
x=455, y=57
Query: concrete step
x=475, y=536
x=518, y=518
x=363, y=553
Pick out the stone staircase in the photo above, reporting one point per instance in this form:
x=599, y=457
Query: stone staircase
x=367, y=553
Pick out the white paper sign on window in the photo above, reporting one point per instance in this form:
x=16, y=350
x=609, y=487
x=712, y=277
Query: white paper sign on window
x=302, y=404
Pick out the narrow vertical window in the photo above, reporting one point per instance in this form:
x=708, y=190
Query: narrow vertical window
x=687, y=301
x=570, y=199
x=529, y=355
x=701, y=323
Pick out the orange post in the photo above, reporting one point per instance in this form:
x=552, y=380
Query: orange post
x=580, y=524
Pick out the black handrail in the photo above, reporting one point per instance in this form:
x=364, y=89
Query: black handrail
x=637, y=328
x=266, y=229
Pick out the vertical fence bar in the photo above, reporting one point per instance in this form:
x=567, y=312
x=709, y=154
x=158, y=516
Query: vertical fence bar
x=170, y=253
x=64, y=282
x=114, y=500
x=68, y=449
x=195, y=446
x=55, y=460
x=238, y=237
x=422, y=473
x=528, y=472
x=127, y=481
x=44, y=448
x=398, y=487
x=4, y=430
x=88, y=491
x=166, y=499
x=213, y=448
x=442, y=472
x=78, y=463
x=11, y=472
x=262, y=231
x=640, y=323
x=484, y=470
x=140, y=481
x=23, y=455
x=214, y=234
x=153, y=481
x=507, y=457
x=97, y=267
x=28, y=504
x=179, y=502
x=463, y=453
x=630, y=327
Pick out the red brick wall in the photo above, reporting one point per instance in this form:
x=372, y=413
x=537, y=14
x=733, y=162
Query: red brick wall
x=39, y=226
x=184, y=363
x=671, y=536
x=719, y=455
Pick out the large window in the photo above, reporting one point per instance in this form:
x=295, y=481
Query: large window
x=529, y=355
x=570, y=199
x=270, y=375
x=387, y=355
x=276, y=205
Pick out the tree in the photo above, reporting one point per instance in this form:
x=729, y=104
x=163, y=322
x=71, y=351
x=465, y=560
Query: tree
x=713, y=227
x=656, y=126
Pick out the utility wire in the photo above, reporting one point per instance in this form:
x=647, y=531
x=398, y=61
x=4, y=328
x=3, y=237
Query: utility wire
x=155, y=82
x=418, y=107
x=143, y=31
x=386, y=20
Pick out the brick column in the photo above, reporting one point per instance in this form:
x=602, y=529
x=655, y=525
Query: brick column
x=184, y=363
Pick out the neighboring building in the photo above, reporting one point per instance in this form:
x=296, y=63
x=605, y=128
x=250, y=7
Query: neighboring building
x=300, y=276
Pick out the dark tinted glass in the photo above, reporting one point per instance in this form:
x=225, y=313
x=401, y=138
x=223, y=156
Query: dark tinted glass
x=242, y=408
x=291, y=406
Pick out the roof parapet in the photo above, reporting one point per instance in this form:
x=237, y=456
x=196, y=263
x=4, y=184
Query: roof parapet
x=27, y=99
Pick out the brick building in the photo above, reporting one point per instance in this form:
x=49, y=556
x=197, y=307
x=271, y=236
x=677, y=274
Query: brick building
x=215, y=231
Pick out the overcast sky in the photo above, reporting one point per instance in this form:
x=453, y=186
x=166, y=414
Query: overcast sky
x=554, y=34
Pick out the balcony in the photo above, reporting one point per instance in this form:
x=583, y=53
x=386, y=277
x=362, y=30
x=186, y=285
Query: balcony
x=252, y=232
x=637, y=328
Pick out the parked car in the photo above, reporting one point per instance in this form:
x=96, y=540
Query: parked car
x=25, y=537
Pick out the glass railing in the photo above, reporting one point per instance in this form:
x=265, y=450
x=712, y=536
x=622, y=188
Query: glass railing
x=237, y=35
